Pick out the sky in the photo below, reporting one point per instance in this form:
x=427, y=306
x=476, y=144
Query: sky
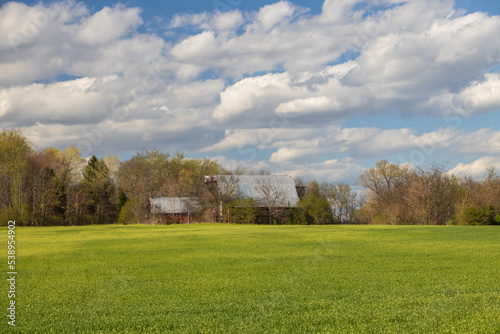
x=317, y=89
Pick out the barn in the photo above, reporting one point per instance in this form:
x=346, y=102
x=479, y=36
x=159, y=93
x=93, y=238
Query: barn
x=169, y=210
x=272, y=194
x=278, y=189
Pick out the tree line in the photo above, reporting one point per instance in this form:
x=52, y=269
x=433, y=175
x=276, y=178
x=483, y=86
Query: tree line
x=59, y=187
x=51, y=186
x=427, y=196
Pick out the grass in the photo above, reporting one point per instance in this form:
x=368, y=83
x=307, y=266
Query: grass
x=261, y=279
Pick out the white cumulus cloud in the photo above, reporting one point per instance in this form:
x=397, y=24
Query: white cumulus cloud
x=108, y=24
x=290, y=86
x=477, y=168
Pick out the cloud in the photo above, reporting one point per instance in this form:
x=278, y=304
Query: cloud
x=271, y=15
x=278, y=95
x=258, y=95
x=22, y=25
x=415, y=63
x=39, y=103
x=178, y=132
x=262, y=138
x=484, y=141
x=286, y=154
x=44, y=42
x=481, y=95
x=334, y=170
x=335, y=11
x=308, y=105
x=276, y=35
x=278, y=80
x=310, y=144
x=252, y=165
x=222, y=22
x=477, y=168
x=108, y=24
x=195, y=46
x=414, y=69
x=229, y=21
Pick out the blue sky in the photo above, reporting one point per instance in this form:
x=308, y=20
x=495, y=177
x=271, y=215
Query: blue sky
x=318, y=89
x=166, y=9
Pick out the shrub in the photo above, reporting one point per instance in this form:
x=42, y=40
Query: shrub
x=381, y=219
x=476, y=215
x=7, y=214
x=314, y=209
x=126, y=215
x=243, y=211
x=497, y=220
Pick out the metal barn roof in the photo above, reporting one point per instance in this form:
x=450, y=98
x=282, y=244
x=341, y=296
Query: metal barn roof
x=174, y=205
x=258, y=187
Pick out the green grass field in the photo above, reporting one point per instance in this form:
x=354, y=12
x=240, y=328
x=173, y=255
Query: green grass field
x=232, y=278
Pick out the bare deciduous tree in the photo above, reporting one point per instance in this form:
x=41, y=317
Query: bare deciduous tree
x=430, y=197
x=387, y=183
x=273, y=196
x=342, y=200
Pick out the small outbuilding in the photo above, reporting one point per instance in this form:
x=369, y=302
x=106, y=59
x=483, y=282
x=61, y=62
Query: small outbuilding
x=170, y=210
